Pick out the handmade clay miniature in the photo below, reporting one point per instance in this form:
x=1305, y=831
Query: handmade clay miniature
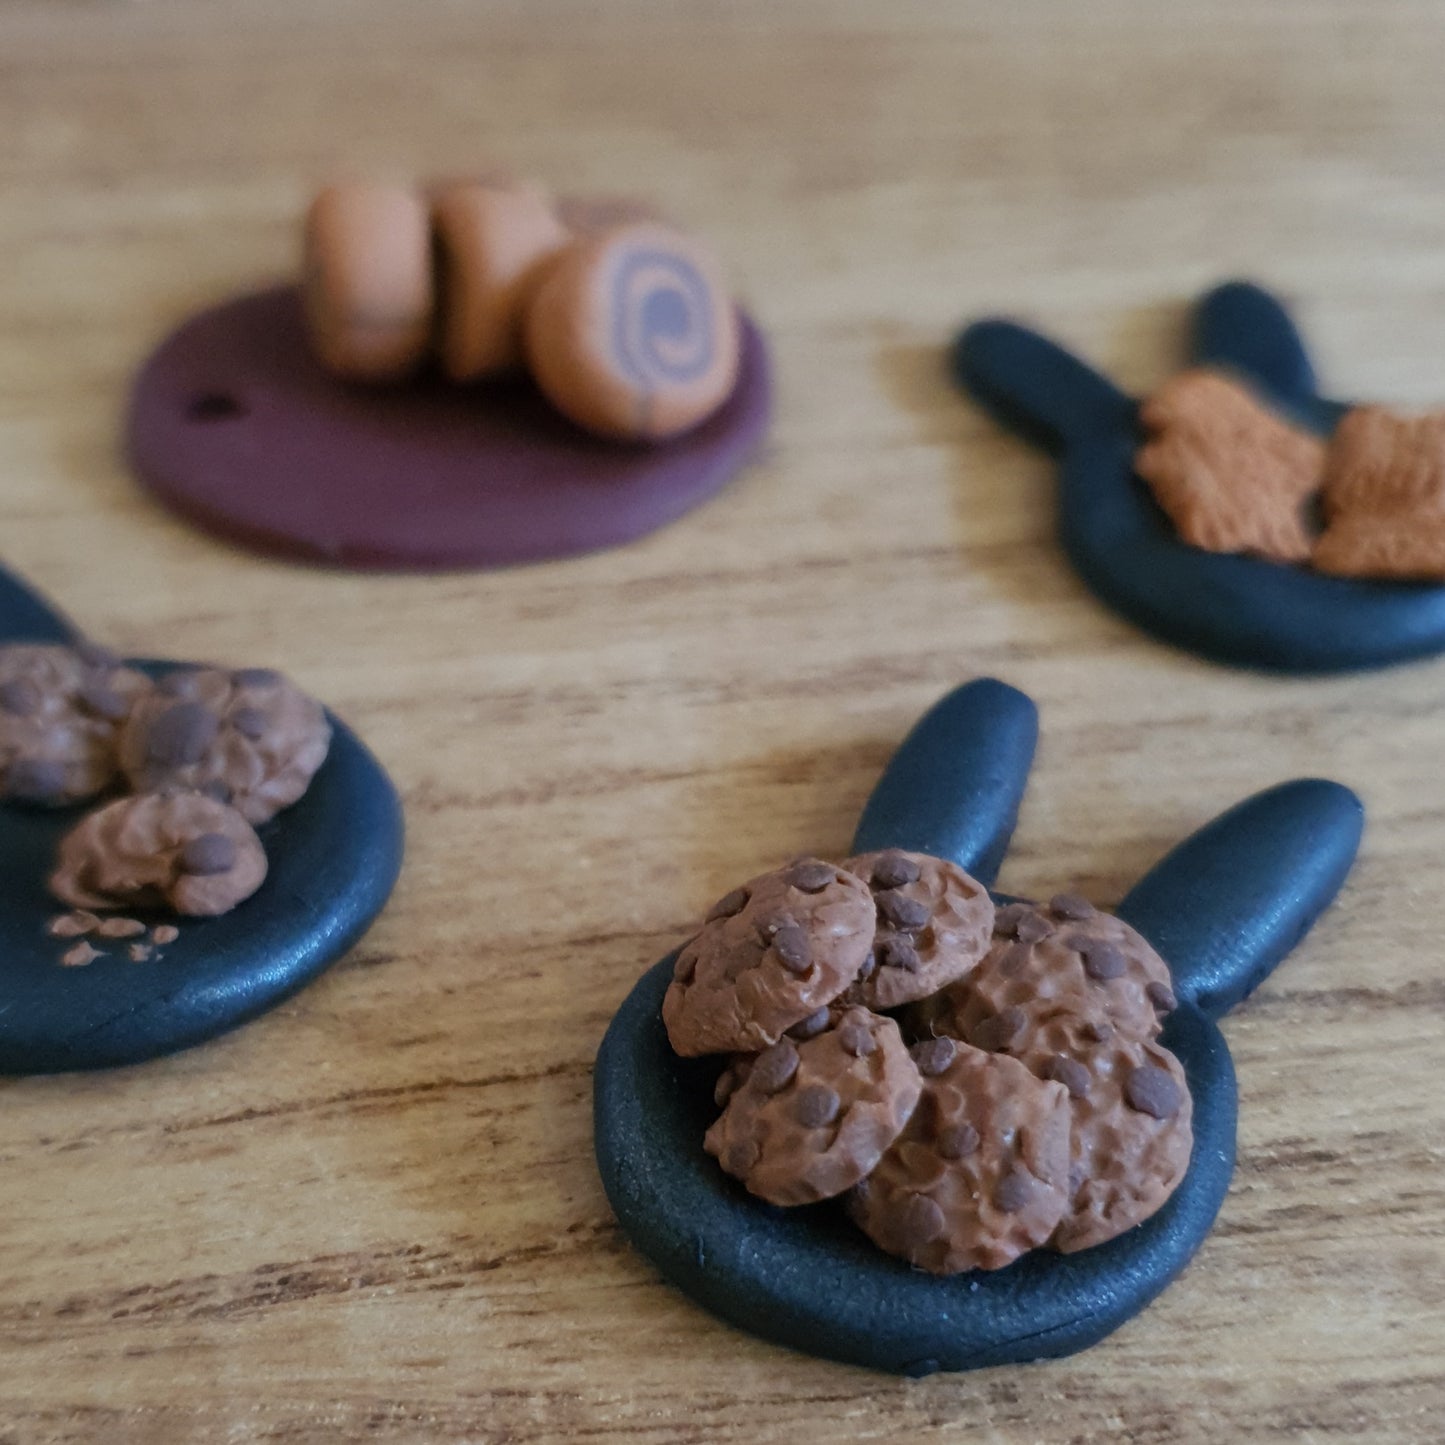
x=1223, y=908
x=96, y=987
x=1265, y=610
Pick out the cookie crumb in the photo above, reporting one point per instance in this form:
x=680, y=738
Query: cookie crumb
x=121, y=928
x=80, y=955
x=72, y=925
x=165, y=933
x=140, y=952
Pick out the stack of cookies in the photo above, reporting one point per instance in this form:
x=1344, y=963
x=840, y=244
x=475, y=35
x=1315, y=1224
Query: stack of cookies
x=203, y=755
x=975, y=1083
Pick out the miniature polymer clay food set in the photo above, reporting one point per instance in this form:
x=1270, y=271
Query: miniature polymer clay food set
x=184, y=845
x=876, y=1114
x=1235, y=511
x=466, y=375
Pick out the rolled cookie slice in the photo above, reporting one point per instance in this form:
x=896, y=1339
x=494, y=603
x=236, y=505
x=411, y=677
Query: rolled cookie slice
x=1066, y=958
x=770, y=955
x=492, y=243
x=250, y=738
x=367, y=284
x=934, y=924
x=632, y=334
x=61, y=709
x=177, y=850
x=806, y=1121
x=980, y=1174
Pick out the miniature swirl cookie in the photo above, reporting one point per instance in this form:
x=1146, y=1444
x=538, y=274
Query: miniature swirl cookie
x=631, y=333
x=175, y=849
x=250, y=738
x=61, y=709
x=492, y=242
x=368, y=285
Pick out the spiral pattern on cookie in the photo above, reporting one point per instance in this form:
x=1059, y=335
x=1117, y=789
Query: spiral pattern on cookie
x=662, y=319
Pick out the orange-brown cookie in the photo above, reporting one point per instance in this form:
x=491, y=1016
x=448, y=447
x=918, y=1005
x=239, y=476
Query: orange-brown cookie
x=806, y=1121
x=632, y=334
x=491, y=245
x=1065, y=958
x=174, y=849
x=935, y=923
x=368, y=287
x=1232, y=476
x=1384, y=497
x=980, y=1174
x=771, y=954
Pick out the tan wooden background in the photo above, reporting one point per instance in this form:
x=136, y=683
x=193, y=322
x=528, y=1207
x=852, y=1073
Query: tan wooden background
x=374, y=1214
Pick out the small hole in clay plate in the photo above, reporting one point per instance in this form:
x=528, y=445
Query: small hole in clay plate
x=214, y=406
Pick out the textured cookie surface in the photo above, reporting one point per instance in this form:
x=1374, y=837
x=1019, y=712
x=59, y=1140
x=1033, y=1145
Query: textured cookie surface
x=1231, y=475
x=805, y=1121
x=769, y=955
x=61, y=709
x=934, y=924
x=632, y=334
x=179, y=850
x=1384, y=497
x=250, y=738
x=1062, y=959
x=979, y=1174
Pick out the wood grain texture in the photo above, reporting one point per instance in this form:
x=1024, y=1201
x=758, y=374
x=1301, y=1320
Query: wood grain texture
x=374, y=1214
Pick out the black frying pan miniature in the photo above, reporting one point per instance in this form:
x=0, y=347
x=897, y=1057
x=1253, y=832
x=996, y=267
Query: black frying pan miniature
x=1233, y=609
x=334, y=857
x=1224, y=908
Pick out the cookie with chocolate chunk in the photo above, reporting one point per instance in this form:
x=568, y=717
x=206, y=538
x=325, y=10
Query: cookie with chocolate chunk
x=61, y=709
x=1063, y=958
x=980, y=1174
x=934, y=925
x=769, y=955
x=250, y=738
x=176, y=849
x=806, y=1121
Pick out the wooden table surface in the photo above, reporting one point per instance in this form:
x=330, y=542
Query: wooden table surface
x=374, y=1214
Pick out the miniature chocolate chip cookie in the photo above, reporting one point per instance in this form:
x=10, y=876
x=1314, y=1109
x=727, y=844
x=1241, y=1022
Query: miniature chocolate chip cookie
x=1232, y=476
x=249, y=738
x=61, y=709
x=806, y=1121
x=770, y=954
x=174, y=849
x=980, y=1174
x=1066, y=958
x=934, y=925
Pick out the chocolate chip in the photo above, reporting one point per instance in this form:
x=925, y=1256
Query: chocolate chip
x=1006, y=920
x=740, y=1156
x=811, y=876
x=92, y=654
x=1162, y=997
x=210, y=853
x=181, y=735
x=1099, y=1030
x=1070, y=1073
x=252, y=723
x=905, y=914
x=811, y=1026
x=774, y=1068
x=182, y=682
x=767, y=927
x=893, y=870
x=957, y=1141
x=867, y=968
x=35, y=780
x=933, y=1056
x=1000, y=1032
x=255, y=677
x=1032, y=927
x=815, y=1106
x=1071, y=906
x=791, y=946
x=1102, y=961
x=216, y=789
x=918, y=1221
x=898, y=953
x=685, y=967
x=856, y=1038
x=1015, y=959
x=728, y=906
x=1014, y=1190
x=20, y=696
x=103, y=702
x=1152, y=1090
